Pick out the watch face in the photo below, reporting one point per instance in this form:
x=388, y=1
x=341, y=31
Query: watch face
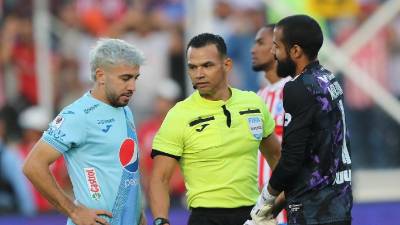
x=160, y=221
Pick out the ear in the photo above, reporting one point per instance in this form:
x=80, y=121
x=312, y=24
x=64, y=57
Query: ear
x=296, y=52
x=100, y=76
x=228, y=64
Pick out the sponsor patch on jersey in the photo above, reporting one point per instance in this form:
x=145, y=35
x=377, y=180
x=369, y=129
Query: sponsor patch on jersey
x=128, y=155
x=93, y=184
x=256, y=127
x=58, y=121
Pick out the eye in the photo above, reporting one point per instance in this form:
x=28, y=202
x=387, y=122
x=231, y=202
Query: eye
x=127, y=77
x=208, y=65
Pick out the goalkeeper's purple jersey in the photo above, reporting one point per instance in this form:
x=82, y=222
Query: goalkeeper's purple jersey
x=315, y=167
x=100, y=147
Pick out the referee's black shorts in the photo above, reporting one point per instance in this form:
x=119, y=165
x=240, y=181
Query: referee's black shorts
x=219, y=216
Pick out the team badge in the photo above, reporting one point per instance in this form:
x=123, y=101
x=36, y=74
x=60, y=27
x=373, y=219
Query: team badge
x=128, y=155
x=58, y=121
x=256, y=127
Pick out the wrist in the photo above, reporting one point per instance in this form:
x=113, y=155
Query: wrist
x=73, y=209
x=160, y=221
x=267, y=197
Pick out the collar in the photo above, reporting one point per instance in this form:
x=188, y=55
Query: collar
x=310, y=66
x=210, y=103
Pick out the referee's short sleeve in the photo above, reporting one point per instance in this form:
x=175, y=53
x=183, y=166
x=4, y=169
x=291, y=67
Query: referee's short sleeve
x=269, y=122
x=169, y=138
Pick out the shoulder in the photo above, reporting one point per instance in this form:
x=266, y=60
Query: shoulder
x=296, y=95
x=317, y=80
x=246, y=96
x=80, y=106
x=76, y=113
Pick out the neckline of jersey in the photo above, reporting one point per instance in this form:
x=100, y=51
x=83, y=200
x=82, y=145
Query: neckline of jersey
x=210, y=103
x=90, y=96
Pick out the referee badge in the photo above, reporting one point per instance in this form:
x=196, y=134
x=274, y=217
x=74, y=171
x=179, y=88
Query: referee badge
x=256, y=127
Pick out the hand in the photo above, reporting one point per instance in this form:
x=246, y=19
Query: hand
x=249, y=222
x=264, y=216
x=85, y=216
x=264, y=222
x=261, y=213
x=264, y=203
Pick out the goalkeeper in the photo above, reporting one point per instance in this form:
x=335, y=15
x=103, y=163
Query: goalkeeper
x=314, y=170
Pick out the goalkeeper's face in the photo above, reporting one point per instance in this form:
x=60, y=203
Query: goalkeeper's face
x=120, y=83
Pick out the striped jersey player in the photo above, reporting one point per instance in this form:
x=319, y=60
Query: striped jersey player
x=272, y=95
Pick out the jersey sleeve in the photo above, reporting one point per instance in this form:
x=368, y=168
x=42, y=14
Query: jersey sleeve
x=169, y=138
x=269, y=122
x=300, y=108
x=66, y=131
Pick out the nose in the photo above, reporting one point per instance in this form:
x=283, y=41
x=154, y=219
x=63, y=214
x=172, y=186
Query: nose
x=131, y=85
x=273, y=50
x=198, y=74
x=252, y=49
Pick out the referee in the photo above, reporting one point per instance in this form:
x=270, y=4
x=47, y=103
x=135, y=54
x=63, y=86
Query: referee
x=214, y=136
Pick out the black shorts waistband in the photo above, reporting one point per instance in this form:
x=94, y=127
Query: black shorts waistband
x=221, y=210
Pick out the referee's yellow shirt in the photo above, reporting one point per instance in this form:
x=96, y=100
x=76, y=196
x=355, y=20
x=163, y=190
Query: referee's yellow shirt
x=219, y=163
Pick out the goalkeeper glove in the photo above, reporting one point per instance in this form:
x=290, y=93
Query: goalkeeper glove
x=262, y=211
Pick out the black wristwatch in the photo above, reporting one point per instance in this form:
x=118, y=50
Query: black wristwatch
x=160, y=221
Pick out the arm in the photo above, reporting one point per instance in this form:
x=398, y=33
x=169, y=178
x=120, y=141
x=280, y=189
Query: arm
x=300, y=109
x=271, y=150
x=143, y=220
x=159, y=185
x=36, y=169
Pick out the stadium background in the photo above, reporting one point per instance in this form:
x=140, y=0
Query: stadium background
x=44, y=66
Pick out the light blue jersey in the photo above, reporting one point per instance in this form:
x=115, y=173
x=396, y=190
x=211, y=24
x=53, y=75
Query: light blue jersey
x=100, y=147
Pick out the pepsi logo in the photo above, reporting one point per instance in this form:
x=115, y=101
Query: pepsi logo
x=128, y=155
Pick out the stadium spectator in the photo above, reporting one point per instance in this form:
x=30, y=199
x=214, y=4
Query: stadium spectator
x=15, y=192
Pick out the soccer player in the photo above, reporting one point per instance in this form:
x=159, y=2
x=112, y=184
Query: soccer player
x=272, y=94
x=96, y=135
x=314, y=170
x=214, y=135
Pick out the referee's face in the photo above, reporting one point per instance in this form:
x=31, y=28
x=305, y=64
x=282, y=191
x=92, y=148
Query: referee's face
x=208, y=70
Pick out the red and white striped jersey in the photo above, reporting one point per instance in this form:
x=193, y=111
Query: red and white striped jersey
x=272, y=94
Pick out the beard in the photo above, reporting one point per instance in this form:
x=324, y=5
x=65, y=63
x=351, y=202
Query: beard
x=114, y=99
x=263, y=67
x=286, y=67
x=260, y=67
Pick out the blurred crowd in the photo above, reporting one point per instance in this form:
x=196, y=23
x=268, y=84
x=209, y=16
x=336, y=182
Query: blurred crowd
x=157, y=28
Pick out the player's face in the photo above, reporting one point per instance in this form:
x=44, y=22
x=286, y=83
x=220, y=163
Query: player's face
x=120, y=83
x=285, y=65
x=262, y=58
x=208, y=70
